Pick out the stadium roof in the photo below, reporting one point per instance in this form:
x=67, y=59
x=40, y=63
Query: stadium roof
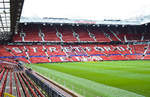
x=10, y=12
x=135, y=21
x=87, y=11
x=4, y=15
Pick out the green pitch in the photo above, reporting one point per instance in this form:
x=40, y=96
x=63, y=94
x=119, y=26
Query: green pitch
x=96, y=79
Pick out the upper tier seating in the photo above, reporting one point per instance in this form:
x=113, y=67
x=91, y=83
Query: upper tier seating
x=31, y=34
x=50, y=33
x=66, y=33
x=110, y=34
x=17, y=38
x=100, y=37
x=83, y=34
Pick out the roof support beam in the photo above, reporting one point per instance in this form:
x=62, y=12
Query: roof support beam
x=4, y=8
x=4, y=2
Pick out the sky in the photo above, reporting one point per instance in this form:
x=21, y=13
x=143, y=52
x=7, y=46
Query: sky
x=86, y=9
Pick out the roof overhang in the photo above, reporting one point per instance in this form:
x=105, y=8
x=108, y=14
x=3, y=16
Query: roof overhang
x=83, y=21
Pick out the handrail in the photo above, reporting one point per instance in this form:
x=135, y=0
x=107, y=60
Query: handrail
x=8, y=95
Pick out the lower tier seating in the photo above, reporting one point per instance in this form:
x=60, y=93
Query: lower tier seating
x=58, y=53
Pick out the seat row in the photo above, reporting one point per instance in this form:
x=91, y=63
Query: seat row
x=15, y=82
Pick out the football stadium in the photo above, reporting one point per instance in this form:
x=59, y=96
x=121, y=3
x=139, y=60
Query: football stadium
x=69, y=55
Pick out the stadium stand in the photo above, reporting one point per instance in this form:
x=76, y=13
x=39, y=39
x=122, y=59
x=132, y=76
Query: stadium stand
x=49, y=43
x=27, y=43
x=48, y=40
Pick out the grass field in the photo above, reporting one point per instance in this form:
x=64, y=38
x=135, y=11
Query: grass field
x=106, y=79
